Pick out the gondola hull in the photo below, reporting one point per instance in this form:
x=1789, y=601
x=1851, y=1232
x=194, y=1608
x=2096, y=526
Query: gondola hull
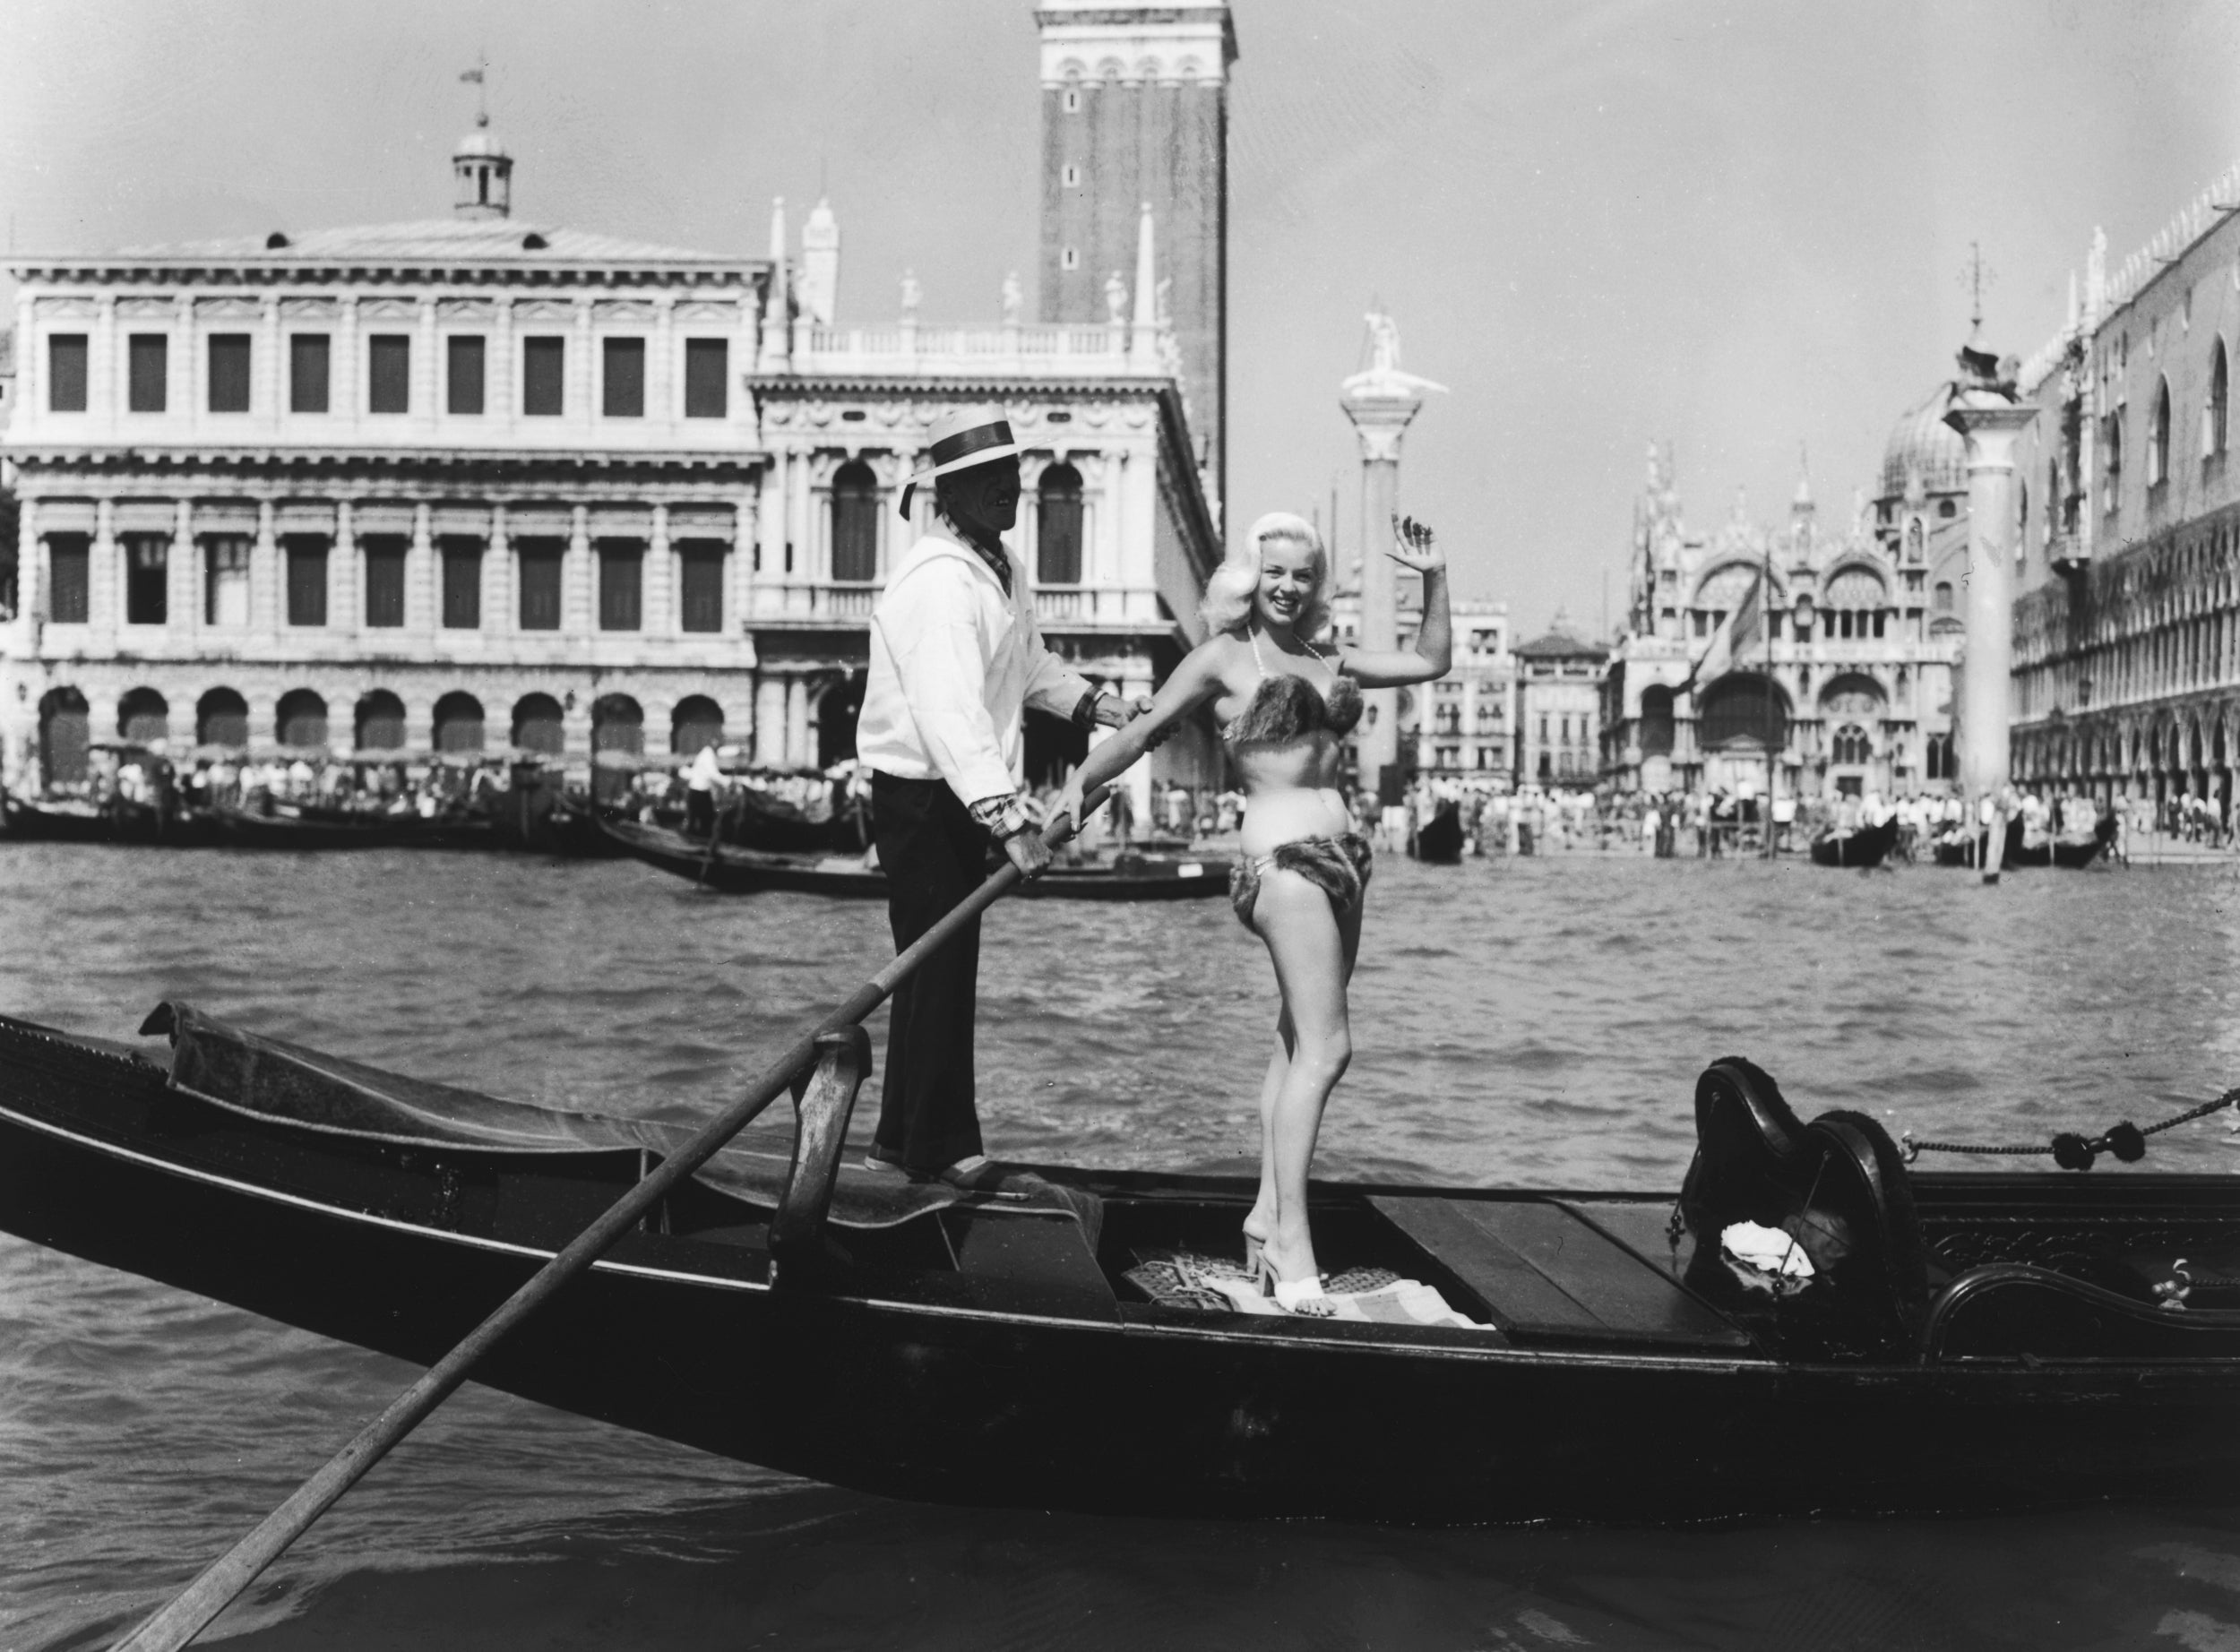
x=335, y=830
x=1007, y=1370
x=1440, y=839
x=744, y=872
x=1867, y=847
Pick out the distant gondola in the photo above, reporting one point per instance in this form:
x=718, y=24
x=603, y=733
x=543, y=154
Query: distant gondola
x=70, y=820
x=1865, y=846
x=2075, y=853
x=753, y=819
x=1439, y=840
x=746, y=872
x=336, y=828
x=1959, y=1340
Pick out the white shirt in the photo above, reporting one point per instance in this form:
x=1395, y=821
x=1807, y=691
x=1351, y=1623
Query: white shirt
x=705, y=770
x=954, y=664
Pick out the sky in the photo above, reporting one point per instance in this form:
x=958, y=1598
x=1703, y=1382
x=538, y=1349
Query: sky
x=1737, y=228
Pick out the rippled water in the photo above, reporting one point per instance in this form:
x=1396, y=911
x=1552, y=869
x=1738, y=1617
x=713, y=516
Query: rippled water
x=1535, y=1022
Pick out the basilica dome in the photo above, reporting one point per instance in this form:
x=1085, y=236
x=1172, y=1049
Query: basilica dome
x=1922, y=441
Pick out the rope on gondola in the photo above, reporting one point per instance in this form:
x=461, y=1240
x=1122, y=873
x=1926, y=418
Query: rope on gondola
x=2072, y=1151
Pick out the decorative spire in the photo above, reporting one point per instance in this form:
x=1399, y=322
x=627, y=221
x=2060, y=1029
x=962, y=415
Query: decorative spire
x=778, y=232
x=820, y=263
x=1143, y=344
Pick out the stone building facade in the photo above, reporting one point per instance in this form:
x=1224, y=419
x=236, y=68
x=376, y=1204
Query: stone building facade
x=2126, y=670
x=473, y=484
x=1559, y=709
x=1850, y=677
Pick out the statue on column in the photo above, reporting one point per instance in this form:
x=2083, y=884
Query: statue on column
x=1115, y=300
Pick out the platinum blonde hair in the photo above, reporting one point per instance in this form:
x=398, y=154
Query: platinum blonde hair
x=1229, y=594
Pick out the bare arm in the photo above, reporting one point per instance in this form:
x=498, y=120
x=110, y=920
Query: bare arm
x=1193, y=683
x=1434, y=639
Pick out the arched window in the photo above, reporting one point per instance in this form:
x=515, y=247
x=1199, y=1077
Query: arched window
x=379, y=723
x=617, y=724
x=697, y=722
x=1850, y=746
x=221, y=717
x=301, y=719
x=1058, y=527
x=1656, y=721
x=143, y=717
x=836, y=711
x=2112, y=455
x=459, y=723
x=1913, y=540
x=538, y=725
x=2159, y=437
x=855, y=522
x=64, y=732
x=1943, y=596
x=2214, y=426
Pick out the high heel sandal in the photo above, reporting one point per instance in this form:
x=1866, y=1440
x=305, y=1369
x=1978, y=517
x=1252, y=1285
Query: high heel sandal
x=1300, y=1297
x=1254, y=1244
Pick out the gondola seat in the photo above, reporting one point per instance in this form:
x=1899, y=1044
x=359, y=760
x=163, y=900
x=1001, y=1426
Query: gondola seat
x=2016, y=1311
x=1838, y=1184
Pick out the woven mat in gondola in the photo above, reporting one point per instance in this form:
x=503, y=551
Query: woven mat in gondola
x=1216, y=1285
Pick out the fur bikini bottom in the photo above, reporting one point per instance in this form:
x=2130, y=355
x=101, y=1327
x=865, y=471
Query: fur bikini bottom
x=1337, y=866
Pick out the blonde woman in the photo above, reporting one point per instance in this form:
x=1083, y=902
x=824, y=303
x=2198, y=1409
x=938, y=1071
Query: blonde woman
x=1285, y=705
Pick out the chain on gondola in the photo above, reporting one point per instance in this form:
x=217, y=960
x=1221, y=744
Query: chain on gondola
x=2072, y=1151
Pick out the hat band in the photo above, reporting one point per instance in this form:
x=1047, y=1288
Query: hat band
x=950, y=449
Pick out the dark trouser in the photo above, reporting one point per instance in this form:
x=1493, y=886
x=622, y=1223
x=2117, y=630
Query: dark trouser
x=934, y=854
x=700, y=814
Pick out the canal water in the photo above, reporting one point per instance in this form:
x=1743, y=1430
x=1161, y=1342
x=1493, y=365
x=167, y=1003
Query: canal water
x=1533, y=1021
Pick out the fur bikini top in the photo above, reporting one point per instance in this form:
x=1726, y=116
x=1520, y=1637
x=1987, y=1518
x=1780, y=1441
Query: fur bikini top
x=1286, y=709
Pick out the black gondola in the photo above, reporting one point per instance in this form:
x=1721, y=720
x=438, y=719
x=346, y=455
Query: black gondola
x=1966, y=1340
x=746, y=872
x=65, y=820
x=753, y=819
x=339, y=828
x=1865, y=846
x=1439, y=840
x=1953, y=849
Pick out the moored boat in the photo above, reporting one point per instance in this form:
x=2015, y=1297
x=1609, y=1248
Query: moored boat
x=291, y=828
x=67, y=820
x=1440, y=838
x=1959, y=1341
x=1865, y=845
x=734, y=871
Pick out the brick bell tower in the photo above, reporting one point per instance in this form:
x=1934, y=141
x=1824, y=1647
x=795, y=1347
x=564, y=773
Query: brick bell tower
x=1135, y=110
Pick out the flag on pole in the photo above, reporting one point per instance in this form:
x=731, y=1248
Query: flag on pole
x=1737, y=635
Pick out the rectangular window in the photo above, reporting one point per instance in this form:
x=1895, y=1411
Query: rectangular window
x=704, y=587
x=226, y=580
x=619, y=564
x=147, y=578
x=229, y=373
x=148, y=373
x=621, y=378
x=540, y=563
x=66, y=371
x=462, y=373
x=462, y=584
x=306, y=579
x=384, y=579
x=389, y=378
x=307, y=372
x=707, y=378
x=544, y=368
x=69, y=562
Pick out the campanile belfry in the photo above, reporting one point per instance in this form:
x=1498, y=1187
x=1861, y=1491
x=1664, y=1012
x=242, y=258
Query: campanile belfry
x=1135, y=112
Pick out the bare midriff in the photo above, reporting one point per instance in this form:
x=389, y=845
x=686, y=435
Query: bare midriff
x=1288, y=794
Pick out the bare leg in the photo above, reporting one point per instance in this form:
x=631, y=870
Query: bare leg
x=1262, y=1220
x=1304, y=940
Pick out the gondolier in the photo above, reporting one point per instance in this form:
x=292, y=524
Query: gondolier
x=956, y=660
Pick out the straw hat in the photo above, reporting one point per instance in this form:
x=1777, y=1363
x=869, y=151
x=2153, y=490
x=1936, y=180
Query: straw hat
x=960, y=439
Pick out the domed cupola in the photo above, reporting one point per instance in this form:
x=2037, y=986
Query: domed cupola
x=1923, y=444
x=482, y=173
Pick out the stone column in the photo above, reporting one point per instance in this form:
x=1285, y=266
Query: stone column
x=182, y=576
x=773, y=518
x=738, y=574
x=346, y=584
x=268, y=395
x=1380, y=414
x=422, y=612
x=104, y=577
x=500, y=612
x=664, y=398
x=266, y=578
x=577, y=609
x=345, y=400
x=770, y=720
x=501, y=381
x=581, y=395
x=659, y=616
x=798, y=720
x=1990, y=418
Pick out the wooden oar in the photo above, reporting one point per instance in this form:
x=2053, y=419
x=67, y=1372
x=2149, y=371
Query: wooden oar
x=191, y=1611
